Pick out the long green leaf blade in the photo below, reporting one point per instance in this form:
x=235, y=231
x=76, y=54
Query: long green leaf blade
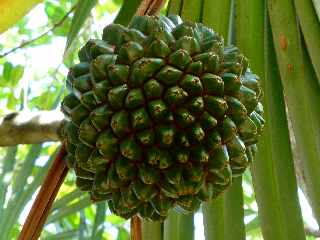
x=273, y=171
x=82, y=12
x=17, y=202
x=20, y=180
x=216, y=14
x=98, y=226
x=179, y=226
x=250, y=17
x=8, y=165
x=233, y=212
x=310, y=26
x=313, y=88
x=63, y=235
x=70, y=209
x=174, y=7
x=186, y=226
x=191, y=10
x=66, y=199
x=316, y=5
x=151, y=230
x=290, y=60
x=127, y=11
x=213, y=218
x=171, y=229
x=82, y=226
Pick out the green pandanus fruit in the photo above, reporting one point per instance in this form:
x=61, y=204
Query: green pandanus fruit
x=160, y=115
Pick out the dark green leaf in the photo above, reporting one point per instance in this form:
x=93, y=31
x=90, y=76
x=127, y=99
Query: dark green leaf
x=127, y=11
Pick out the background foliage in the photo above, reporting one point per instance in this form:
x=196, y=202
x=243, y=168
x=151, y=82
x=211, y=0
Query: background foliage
x=32, y=78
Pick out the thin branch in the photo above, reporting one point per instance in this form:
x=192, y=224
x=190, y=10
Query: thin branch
x=26, y=43
x=28, y=127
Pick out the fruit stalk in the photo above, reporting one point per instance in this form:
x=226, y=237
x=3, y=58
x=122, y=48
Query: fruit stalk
x=135, y=230
x=41, y=207
x=149, y=7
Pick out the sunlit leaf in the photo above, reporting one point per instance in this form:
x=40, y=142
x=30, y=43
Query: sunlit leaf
x=68, y=210
x=122, y=234
x=63, y=235
x=7, y=69
x=115, y=220
x=13, y=10
x=17, y=202
x=54, y=11
x=16, y=75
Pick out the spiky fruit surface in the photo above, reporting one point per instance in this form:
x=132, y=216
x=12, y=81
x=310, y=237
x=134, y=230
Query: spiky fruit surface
x=160, y=115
